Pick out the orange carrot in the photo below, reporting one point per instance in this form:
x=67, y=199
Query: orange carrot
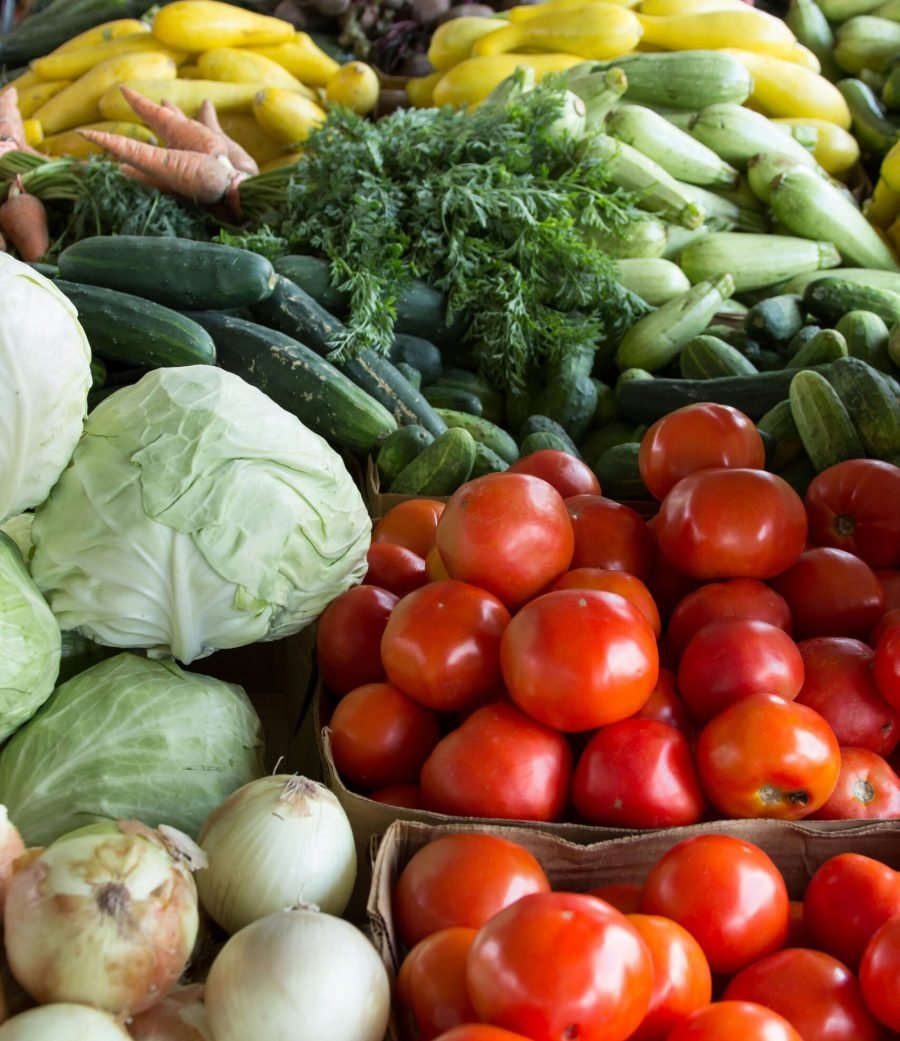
x=173, y=127
x=140, y=177
x=11, y=126
x=23, y=220
x=240, y=159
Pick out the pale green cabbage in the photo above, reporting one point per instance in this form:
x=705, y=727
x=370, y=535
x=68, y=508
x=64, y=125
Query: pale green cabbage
x=45, y=375
x=19, y=530
x=197, y=514
x=130, y=738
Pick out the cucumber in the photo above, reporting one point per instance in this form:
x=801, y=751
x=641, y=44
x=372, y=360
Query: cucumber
x=823, y=422
x=313, y=276
x=633, y=375
x=384, y=382
x=598, y=441
x=826, y=346
x=440, y=396
x=829, y=299
x=419, y=353
x=875, y=133
x=707, y=357
x=175, y=272
x=890, y=92
x=124, y=328
x=441, y=467
x=98, y=372
x=491, y=399
x=293, y=311
x=399, y=449
x=867, y=338
x=619, y=474
x=777, y=319
x=46, y=29
x=766, y=360
x=799, y=341
x=485, y=432
x=538, y=440
x=413, y=376
x=784, y=445
x=486, y=461
x=570, y=399
x=606, y=403
x=860, y=275
x=873, y=402
x=799, y=474
x=296, y=378
x=544, y=424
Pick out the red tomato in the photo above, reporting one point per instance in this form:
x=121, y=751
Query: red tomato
x=666, y=583
x=867, y=789
x=624, y=896
x=578, y=659
x=431, y=983
x=733, y=1020
x=733, y=658
x=406, y=795
x=666, y=705
x=682, y=981
x=558, y=965
x=889, y=580
x=716, y=601
x=797, y=936
x=434, y=566
x=637, y=773
x=508, y=533
x=831, y=593
x=697, y=437
x=740, y=911
x=732, y=524
x=609, y=535
x=411, y=523
x=499, y=763
x=462, y=880
x=853, y=506
x=379, y=736
x=878, y=973
x=632, y=588
x=886, y=667
x=348, y=637
x=395, y=568
x=848, y=898
x=767, y=757
x=441, y=644
x=818, y=995
x=839, y=684
x=480, y=1032
x=889, y=620
x=568, y=474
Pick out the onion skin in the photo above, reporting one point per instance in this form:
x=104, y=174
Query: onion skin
x=62, y=1022
x=180, y=1016
x=11, y=847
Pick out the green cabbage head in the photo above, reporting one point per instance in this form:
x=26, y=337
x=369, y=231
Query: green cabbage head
x=196, y=514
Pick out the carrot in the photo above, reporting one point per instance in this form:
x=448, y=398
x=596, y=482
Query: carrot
x=23, y=220
x=12, y=129
x=240, y=158
x=140, y=177
x=173, y=127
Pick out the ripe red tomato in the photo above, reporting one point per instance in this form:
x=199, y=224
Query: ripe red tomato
x=889, y=620
x=697, y=437
x=624, y=896
x=411, y=523
x=797, y=936
x=848, y=898
x=568, y=474
x=682, y=981
x=637, y=773
x=732, y=658
x=431, y=984
x=666, y=705
x=878, y=973
x=508, y=533
x=462, y=879
x=499, y=763
x=732, y=524
x=818, y=995
x=395, y=568
x=737, y=914
x=666, y=583
x=348, y=637
x=406, y=795
x=480, y=1032
x=441, y=644
x=610, y=535
x=434, y=566
x=889, y=580
x=839, y=684
x=379, y=736
x=715, y=601
x=831, y=593
x=867, y=789
x=853, y=506
x=629, y=586
x=578, y=659
x=733, y=1020
x=557, y=965
x=767, y=757
x=886, y=667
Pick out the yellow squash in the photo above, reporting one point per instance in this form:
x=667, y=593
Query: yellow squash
x=529, y=11
x=354, y=85
x=890, y=168
x=34, y=132
x=238, y=65
x=801, y=55
x=667, y=7
x=709, y=30
x=243, y=128
x=420, y=89
x=103, y=33
x=452, y=41
x=883, y=207
x=33, y=98
x=595, y=31
x=288, y=159
x=470, y=82
x=27, y=79
x=287, y=116
x=303, y=58
x=188, y=95
x=836, y=150
x=70, y=142
x=69, y=65
x=200, y=25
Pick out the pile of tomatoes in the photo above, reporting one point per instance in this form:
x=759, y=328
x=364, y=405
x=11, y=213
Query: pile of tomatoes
x=533, y=650
x=708, y=948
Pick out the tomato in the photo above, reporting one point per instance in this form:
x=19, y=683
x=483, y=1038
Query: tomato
x=480, y=1032
x=411, y=523
x=499, y=763
x=716, y=601
x=561, y=965
x=818, y=995
x=610, y=535
x=578, y=659
x=624, y=896
x=406, y=795
x=767, y=757
x=682, y=981
x=734, y=1021
x=740, y=910
x=637, y=773
x=434, y=566
x=889, y=620
x=732, y=524
x=666, y=583
x=629, y=586
x=797, y=936
x=431, y=983
x=395, y=568
x=886, y=667
x=867, y=789
x=697, y=437
x=889, y=580
x=462, y=879
x=568, y=474
x=831, y=593
x=508, y=533
x=878, y=973
x=348, y=637
x=839, y=684
x=853, y=506
x=380, y=736
x=848, y=898
x=666, y=705
x=441, y=644
x=733, y=658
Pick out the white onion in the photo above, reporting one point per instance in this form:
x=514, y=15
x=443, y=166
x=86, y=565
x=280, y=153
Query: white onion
x=62, y=1022
x=11, y=847
x=106, y=915
x=275, y=843
x=180, y=1016
x=298, y=975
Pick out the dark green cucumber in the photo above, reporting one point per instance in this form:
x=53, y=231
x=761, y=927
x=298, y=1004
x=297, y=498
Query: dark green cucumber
x=823, y=422
x=412, y=375
x=46, y=29
x=777, y=319
x=441, y=467
x=313, y=276
x=606, y=403
x=137, y=332
x=98, y=372
x=875, y=133
x=829, y=299
x=421, y=311
x=420, y=354
x=491, y=399
x=708, y=357
x=867, y=338
x=291, y=310
x=486, y=461
x=598, y=441
x=873, y=401
x=384, y=382
x=571, y=400
x=296, y=378
x=539, y=440
x=179, y=273
x=544, y=424
x=784, y=445
x=456, y=398
x=799, y=474
x=803, y=337
x=484, y=431
x=399, y=449
x=827, y=345
x=890, y=92
x=619, y=474
x=47, y=270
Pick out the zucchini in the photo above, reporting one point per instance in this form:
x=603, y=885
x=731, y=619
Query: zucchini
x=827, y=345
x=755, y=261
x=736, y=134
x=866, y=42
x=421, y=354
x=823, y=422
x=784, y=443
x=654, y=279
x=485, y=432
x=384, y=382
x=619, y=472
x=313, y=276
x=441, y=467
x=175, y=272
x=637, y=238
x=399, y=449
x=867, y=338
x=137, y=332
x=776, y=320
x=726, y=214
x=486, y=461
x=808, y=22
x=544, y=424
x=873, y=402
x=830, y=299
x=707, y=357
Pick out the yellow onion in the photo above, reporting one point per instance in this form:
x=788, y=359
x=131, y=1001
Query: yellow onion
x=275, y=843
x=106, y=915
x=180, y=1016
x=63, y=1022
x=11, y=847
